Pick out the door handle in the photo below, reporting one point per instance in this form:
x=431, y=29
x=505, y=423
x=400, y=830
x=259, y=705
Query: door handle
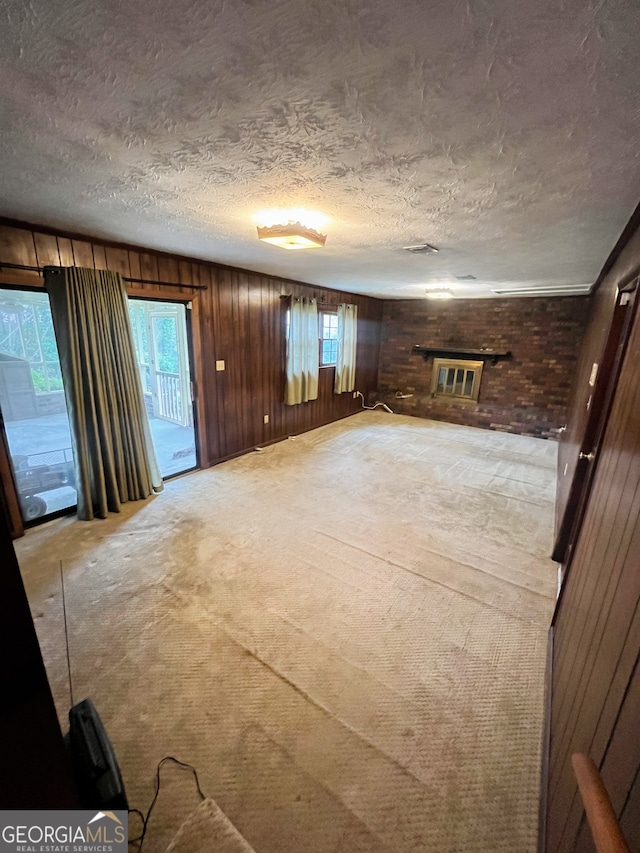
x=588, y=456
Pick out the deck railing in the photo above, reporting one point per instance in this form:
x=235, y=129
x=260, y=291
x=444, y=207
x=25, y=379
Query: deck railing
x=169, y=396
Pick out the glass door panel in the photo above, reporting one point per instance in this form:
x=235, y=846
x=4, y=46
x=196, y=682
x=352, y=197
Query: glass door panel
x=33, y=405
x=160, y=337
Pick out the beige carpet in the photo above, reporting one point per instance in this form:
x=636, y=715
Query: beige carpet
x=345, y=633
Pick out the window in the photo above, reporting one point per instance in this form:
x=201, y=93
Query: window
x=328, y=338
x=26, y=333
x=457, y=379
x=33, y=405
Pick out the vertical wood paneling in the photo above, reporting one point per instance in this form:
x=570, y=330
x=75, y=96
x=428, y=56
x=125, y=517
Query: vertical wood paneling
x=82, y=254
x=149, y=267
x=208, y=398
x=240, y=320
x=65, y=250
x=134, y=264
x=168, y=269
x=185, y=276
x=622, y=758
x=595, y=704
x=100, y=261
x=46, y=249
x=630, y=820
x=17, y=247
x=241, y=359
x=118, y=261
x=200, y=366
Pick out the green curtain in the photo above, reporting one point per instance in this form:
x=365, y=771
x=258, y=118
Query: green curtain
x=113, y=451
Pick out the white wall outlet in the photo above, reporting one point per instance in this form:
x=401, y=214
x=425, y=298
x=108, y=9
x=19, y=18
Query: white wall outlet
x=220, y=364
x=266, y=419
x=355, y=394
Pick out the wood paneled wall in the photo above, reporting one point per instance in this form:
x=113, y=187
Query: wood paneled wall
x=595, y=701
x=33, y=772
x=238, y=318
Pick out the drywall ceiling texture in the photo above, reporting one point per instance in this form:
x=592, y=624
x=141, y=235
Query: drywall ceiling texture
x=503, y=132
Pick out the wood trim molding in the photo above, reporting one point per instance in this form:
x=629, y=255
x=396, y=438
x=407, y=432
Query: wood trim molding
x=192, y=299
x=8, y=491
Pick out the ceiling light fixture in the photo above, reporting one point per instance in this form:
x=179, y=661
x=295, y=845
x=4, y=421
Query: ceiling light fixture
x=439, y=293
x=291, y=229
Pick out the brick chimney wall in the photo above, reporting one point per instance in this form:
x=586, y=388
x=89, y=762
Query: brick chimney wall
x=528, y=394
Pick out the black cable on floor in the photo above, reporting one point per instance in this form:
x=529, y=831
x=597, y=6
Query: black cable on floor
x=145, y=818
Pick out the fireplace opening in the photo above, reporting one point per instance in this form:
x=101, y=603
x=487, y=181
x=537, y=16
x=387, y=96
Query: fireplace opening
x=456, y=379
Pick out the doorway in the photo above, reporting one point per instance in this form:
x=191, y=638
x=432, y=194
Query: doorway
x=33, y=406
x=161, y=338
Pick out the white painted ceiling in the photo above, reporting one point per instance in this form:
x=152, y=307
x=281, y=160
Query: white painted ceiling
x=505, y=132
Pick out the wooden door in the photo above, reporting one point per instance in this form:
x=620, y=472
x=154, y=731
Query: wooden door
x=578, y=451
x=595, y=706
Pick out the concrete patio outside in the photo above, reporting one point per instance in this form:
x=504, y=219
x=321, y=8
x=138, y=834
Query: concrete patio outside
x=174, y=446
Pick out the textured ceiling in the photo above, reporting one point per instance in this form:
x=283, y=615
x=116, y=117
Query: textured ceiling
x=505, y=132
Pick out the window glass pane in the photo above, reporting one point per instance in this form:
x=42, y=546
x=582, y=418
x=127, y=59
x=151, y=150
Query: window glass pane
x=442, y=374
x=328, y=338
x=30, y=336
x=450, y=378
x=10, y=333
x=468, y=385
x=165, y=336
x=329, y=352
x=54, y=376
x=162, y=336
x=330, y=326
x=459, y=382
x=33, y=405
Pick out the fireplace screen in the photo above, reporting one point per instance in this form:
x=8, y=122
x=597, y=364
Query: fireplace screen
x=456, y=379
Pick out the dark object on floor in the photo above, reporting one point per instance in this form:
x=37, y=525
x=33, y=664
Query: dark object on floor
x=93, y=762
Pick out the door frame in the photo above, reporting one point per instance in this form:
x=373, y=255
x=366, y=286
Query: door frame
x=33, y=281
x=9, y=500
x=191, y=301
x=599, y=405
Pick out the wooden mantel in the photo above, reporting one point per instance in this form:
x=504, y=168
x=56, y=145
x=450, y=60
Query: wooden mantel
x=494, y=356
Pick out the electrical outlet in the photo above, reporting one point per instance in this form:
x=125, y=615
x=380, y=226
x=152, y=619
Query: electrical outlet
x=266, y=419
x=220, y=364
x=355, y=394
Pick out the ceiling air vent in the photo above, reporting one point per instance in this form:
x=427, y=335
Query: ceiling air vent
x=466, y=278
x=421, y=249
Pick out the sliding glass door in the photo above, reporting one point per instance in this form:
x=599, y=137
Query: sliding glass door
x=161, y=339
x=33, y=405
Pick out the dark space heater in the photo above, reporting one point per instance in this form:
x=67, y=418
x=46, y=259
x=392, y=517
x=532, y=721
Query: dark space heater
x=94, y=766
